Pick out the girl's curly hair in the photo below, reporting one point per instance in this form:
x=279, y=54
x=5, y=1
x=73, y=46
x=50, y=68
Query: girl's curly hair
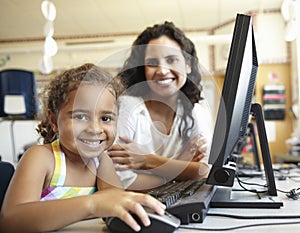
x=56, y=93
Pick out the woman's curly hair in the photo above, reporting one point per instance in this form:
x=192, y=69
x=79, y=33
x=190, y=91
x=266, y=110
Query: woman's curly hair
x=133, y=71
x=56, y=93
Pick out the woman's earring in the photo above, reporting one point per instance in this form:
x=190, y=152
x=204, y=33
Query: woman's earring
x=188, y=69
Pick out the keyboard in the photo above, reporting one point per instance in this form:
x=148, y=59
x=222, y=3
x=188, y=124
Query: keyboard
x=188, y=200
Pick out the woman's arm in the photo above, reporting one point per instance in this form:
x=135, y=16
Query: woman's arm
x=176, y=169
x=128, y=156
x=164, y=170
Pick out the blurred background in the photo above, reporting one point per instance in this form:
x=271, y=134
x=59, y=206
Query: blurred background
x=47, y=37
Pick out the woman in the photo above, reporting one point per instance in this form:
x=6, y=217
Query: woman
x=164, y=127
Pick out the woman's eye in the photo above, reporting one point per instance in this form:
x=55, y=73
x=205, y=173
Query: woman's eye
x=151, y=62
x=171, y=60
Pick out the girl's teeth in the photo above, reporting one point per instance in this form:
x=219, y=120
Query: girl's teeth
x=164, y=81
x=91, y=142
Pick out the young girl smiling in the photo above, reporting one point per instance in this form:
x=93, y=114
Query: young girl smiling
x=70, y=177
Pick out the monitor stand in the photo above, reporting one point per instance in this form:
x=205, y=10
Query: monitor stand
x=227, y=197
x=246, y=170
x=254, y=148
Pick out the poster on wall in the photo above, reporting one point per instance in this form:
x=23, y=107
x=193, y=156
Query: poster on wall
x=274, y=102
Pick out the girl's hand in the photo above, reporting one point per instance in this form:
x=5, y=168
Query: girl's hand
x=120, y=203
x=195, y=150
x=127, y=155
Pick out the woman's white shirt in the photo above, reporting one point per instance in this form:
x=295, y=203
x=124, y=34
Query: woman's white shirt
x=135, y=123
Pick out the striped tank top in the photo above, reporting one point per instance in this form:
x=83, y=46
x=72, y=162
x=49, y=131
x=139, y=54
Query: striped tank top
x=56, y=189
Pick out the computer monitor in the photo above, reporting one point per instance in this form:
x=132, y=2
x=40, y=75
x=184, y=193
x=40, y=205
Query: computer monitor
x=235, y=109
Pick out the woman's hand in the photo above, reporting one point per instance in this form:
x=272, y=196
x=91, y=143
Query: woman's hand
x=127, y=155
x=120, y=203
x=195, y=149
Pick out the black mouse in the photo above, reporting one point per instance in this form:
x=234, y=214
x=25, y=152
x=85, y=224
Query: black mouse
x=166, y=223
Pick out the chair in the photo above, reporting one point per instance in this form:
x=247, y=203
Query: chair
x=6, y=172
x=18, y=98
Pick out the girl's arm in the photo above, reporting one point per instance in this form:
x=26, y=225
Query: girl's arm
x=106, y=174
x=52, y=215
x=22, y=210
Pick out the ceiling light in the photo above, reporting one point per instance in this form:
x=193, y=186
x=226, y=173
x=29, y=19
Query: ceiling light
x=46, y=65
x=48, y=10
x=290, y=10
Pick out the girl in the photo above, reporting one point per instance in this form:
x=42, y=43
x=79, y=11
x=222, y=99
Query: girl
x=164, y=128
x=52, y=184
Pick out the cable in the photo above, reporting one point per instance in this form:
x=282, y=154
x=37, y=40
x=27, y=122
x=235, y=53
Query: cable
x=238, y=227
x=253, y=217
x=293, y=194
x=246, y=217
x=240, y=182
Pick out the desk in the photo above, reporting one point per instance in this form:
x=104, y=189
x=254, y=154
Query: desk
x=291, y=207
x=287, y=158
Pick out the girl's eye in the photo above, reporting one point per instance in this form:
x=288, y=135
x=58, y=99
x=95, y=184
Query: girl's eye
x=151, y=62
x=81, y=117
x=106, y=119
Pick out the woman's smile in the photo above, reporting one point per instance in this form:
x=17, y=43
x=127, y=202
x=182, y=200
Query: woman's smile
x=165, y=81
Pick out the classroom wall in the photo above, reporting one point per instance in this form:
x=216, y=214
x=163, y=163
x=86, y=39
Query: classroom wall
x=272, y=50
x=278, y=131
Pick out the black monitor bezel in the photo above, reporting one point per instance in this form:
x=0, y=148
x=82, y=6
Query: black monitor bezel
x=223, y=168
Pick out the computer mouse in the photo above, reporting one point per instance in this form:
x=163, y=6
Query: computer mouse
x=166, y=223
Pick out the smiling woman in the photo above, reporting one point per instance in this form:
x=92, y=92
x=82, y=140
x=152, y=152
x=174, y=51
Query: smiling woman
x=162, y=56
x=164, y=128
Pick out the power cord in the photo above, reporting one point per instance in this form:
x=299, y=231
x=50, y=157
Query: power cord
x=248, y=225
x=241, y=183
x=254, y=217
x=293, y=194
x=237, y=227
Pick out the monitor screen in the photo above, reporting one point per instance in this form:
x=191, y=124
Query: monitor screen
x=235, y=109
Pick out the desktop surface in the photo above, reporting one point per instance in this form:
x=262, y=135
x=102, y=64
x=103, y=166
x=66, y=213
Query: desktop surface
x=212, y=221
